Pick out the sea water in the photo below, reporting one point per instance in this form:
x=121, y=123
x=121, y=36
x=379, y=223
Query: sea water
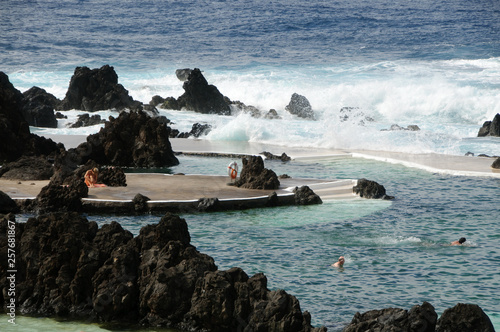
x=435, y=64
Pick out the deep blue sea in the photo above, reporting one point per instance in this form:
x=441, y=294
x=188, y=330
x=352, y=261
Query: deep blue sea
x=435, y=64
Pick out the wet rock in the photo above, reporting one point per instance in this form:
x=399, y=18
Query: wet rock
x=200, y=129
x=183, y=74
x=354, y=114
x=7, y=204
x=496, y=164
x=255, y=176
x=208, y=204
x=38, y=108
x=420, y=318
x=93, y=90
x=133, y=139
x=272, y=114
x=396, y=127
x=300, y=106
x=269, y=156
x=201, y=97
x=69, y=268
x=170, y=103
x=306, y=196
x=15, y=137
x=464, y=317
x=28, y=168
x=140, y=203
x=85, y=120
x=156, y=100
x=370, y=189
x=490, y=128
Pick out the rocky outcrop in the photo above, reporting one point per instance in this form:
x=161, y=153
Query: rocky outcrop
x=300, y=106
x=306, y=196
x=464, y=317
x=85, y=120
x=420, y=318
x=370, y=189
x=67, y=267
x=255, y=176
x=28, y=168
x=93, y=90
x=133, y=139
x=269, y=156
x=490, y=128
x=7, y=204
x=61, y=198
x=15, y=137
x=496, y=164
x=201, y=97
x=396, y=127
x=183, y=74
x=39, y=107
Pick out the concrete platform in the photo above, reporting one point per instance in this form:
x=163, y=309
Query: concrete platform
x=177, y=193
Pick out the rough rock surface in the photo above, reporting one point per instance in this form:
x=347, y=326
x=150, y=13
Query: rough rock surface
x=28, y=168
x=133, y=139
x=57, y=198
x=38, y=108
x=464, y=317
x=15, y=137
x=496, y=163
x=300, y=106
x=269, y=156
x=306, y=196
x=67, y=267
x=419, y=319
x=85, y=120
x=7, y=204
x=370, y=189
x=255, y=176
x=97, y=89
x=490, y=128
x=201, y=97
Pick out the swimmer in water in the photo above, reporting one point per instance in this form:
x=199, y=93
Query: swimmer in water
x=340, y=262
x=459, y=242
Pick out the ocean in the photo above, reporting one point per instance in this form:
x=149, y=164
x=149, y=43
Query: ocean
x=434, y=64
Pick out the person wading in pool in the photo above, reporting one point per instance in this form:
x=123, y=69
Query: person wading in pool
x=458, y=242
x=340, y=262
x=91, y=177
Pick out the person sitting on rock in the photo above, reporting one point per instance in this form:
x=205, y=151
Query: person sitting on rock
x=458, y=242
x=91, y=177
x=340, y=262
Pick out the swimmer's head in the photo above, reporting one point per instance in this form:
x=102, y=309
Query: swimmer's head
x=341, y=259
x=95, y=170
x=462, y=240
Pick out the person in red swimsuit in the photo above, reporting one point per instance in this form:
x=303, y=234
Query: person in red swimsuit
x=91, y=177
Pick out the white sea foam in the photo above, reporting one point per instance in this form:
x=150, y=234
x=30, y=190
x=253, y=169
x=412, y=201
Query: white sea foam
x=448, y=100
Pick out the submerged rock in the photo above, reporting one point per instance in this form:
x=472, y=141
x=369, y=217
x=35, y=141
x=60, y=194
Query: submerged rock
x=255, y=176
x=69, y=268
x=370, y=189
x=97, y=89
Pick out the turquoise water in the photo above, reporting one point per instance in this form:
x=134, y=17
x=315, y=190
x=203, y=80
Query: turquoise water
x=397, y=253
